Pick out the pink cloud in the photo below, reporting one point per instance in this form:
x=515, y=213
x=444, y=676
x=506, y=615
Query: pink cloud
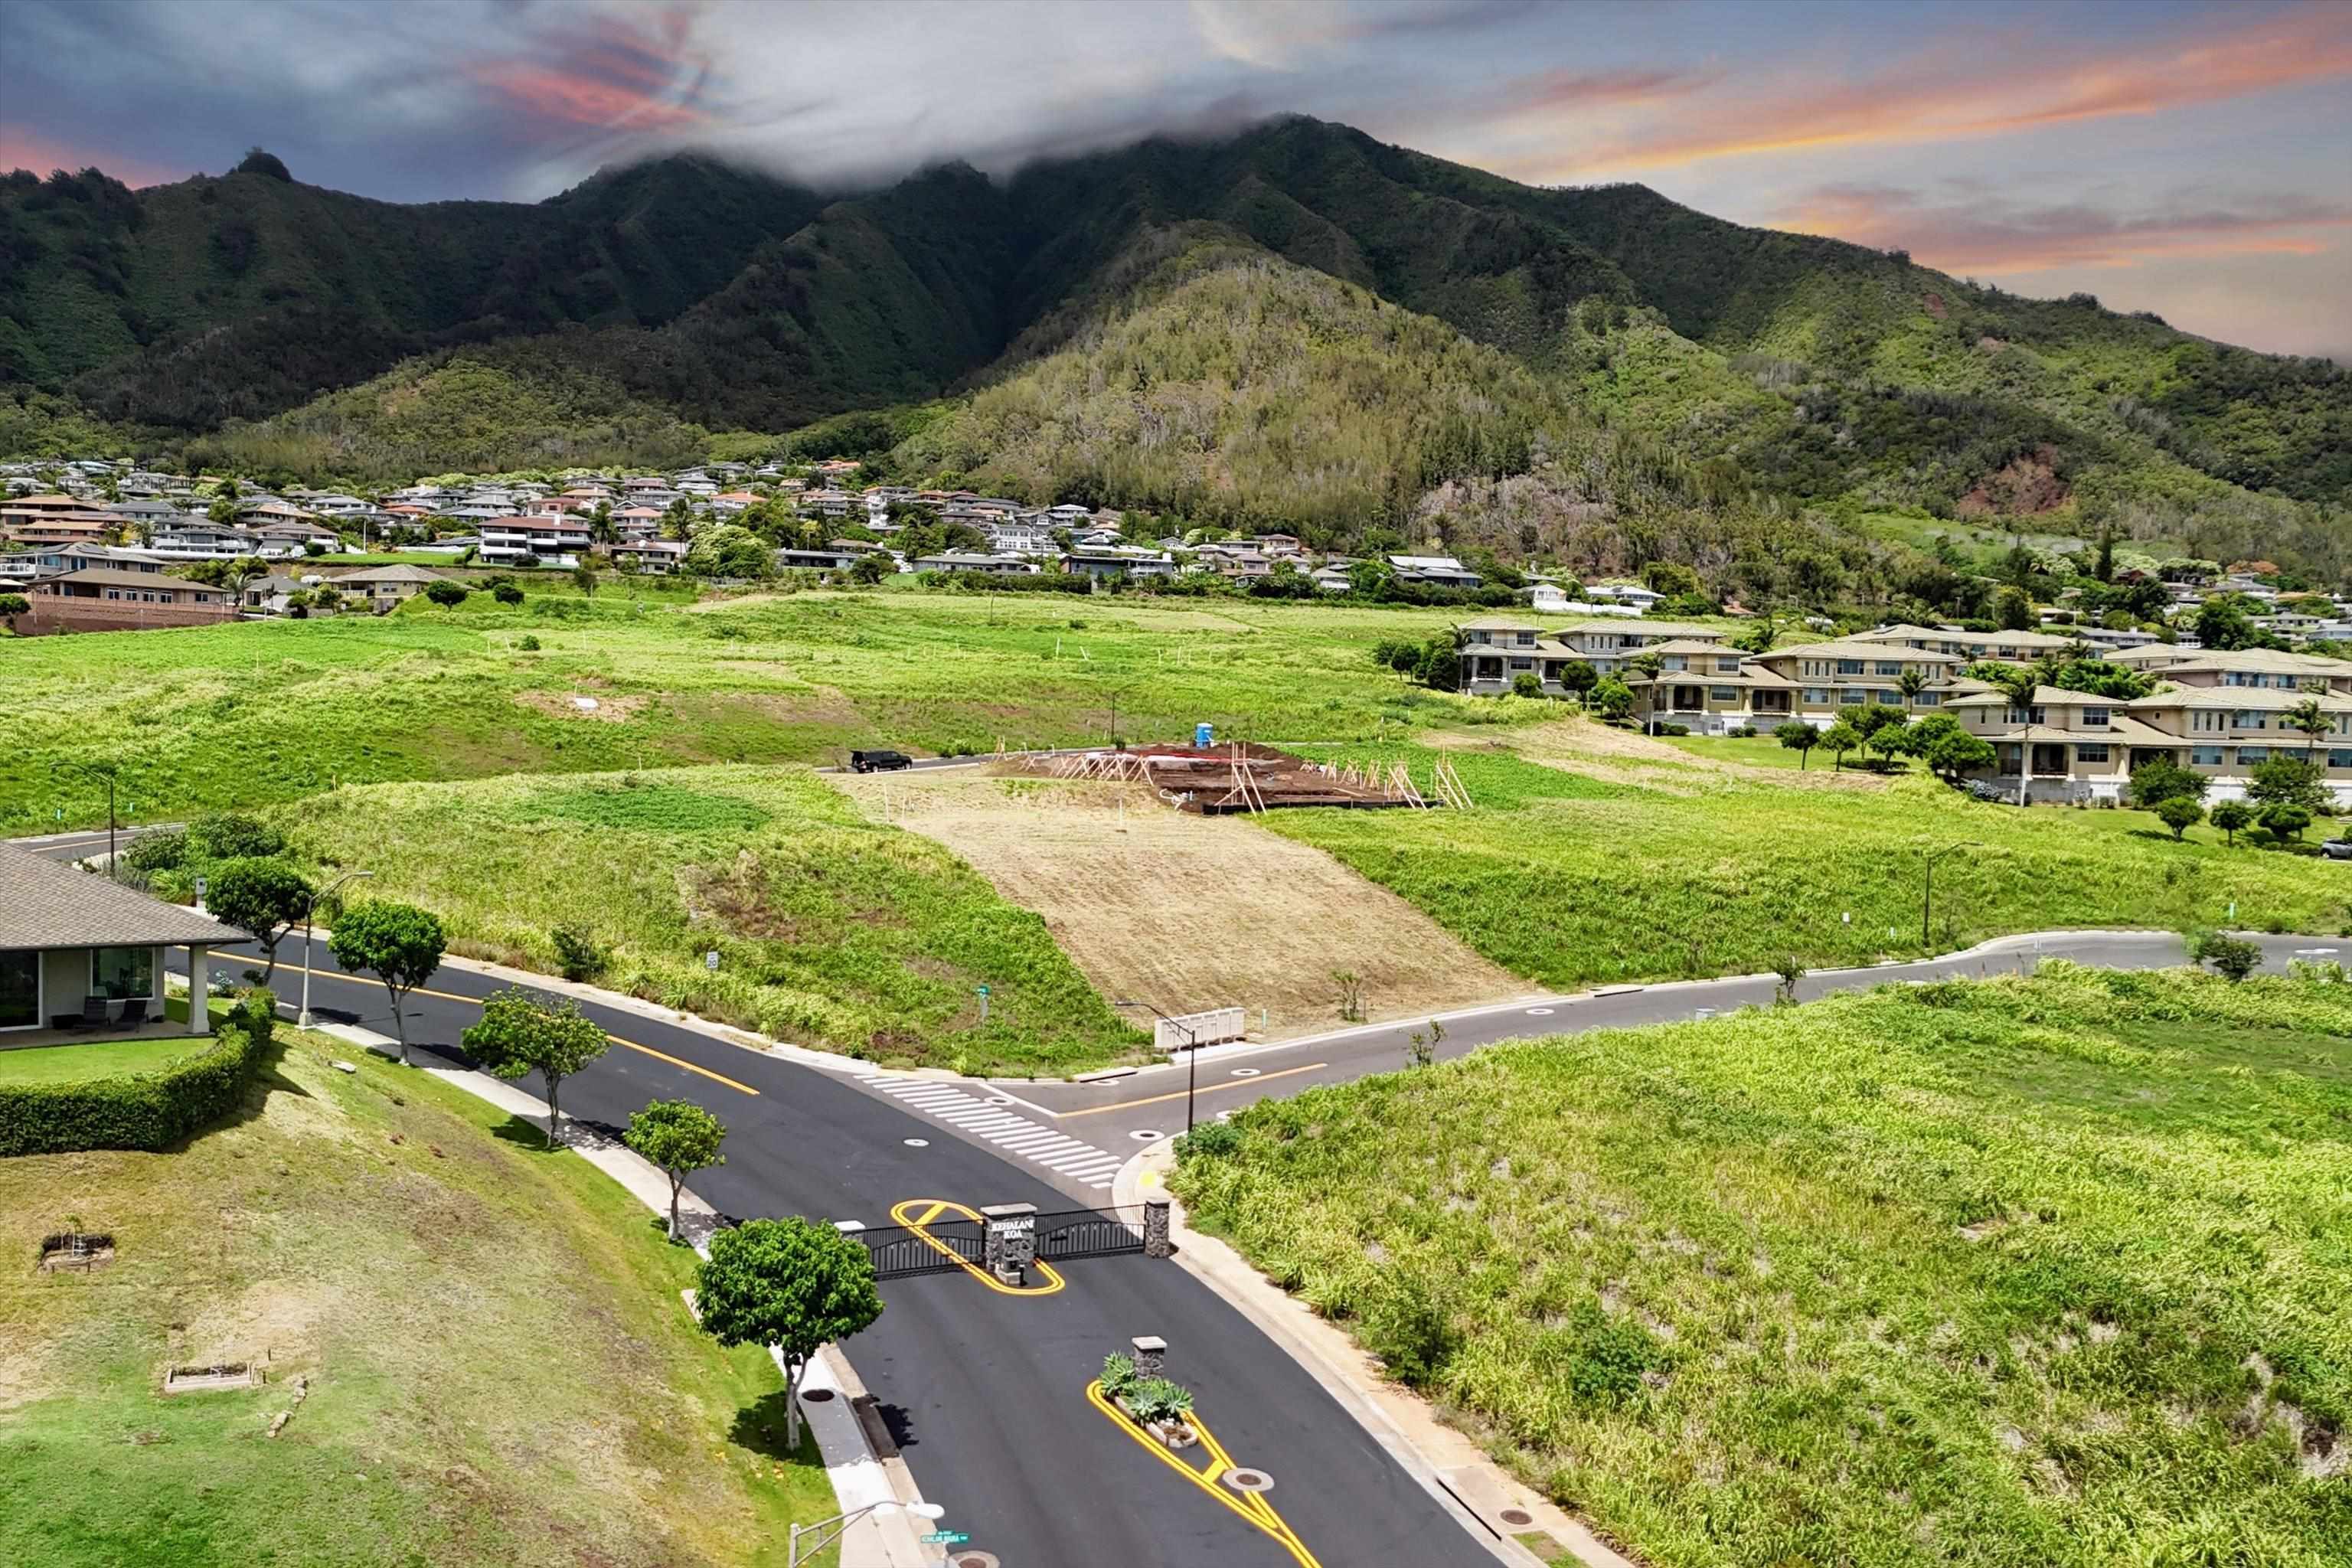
x=611, y=75
x=24, y=148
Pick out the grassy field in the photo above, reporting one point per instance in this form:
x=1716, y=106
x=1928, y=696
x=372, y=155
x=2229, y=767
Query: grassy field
x=1571, y=878
x=262, y=712
x=500, y=1373
x=2043, y=1272
x=1189, y=912
x=831, y=929
x=95, y=1058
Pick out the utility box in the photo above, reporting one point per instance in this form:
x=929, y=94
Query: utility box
x=1204, y=735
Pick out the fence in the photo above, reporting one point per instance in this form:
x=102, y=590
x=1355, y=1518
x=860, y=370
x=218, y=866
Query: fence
x=1190, y=1029
x=900, y=1252
x=1090, y=1233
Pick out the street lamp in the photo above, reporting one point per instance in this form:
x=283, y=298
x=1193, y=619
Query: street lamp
x=841, y=1521
x=302, y=1020
x=109, y=772
x=1927, y=894
x=1192, y=1056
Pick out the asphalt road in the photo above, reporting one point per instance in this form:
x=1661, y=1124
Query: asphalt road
x=1153, y=1100
x=985, y=1392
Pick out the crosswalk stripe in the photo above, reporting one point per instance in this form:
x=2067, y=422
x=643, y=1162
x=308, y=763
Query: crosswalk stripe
x=1074, y=1158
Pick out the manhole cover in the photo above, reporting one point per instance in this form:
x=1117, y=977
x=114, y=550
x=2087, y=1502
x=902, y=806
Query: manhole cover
x=1246, y=1072
x=815, y=1395
x=998, y=1099
x=973, y=1560
x=1145, y=1135
x=918, y=1143
x=1249, y=1481
x=1539, y=1012
x=1517, y=1516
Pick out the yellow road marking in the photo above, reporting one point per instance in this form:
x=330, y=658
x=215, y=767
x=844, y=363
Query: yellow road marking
x=476, y=1001
x=1251, y=1506
x=1181, y=1094
x=932, y=1208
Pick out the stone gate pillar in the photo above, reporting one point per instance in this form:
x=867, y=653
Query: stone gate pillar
x=1008, y=1243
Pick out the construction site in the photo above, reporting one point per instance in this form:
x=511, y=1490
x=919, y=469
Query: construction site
x=1240, y=777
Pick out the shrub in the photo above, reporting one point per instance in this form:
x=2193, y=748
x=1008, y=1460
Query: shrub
x=158, y=852
x=577, y=956
x=148, y=1112
x=1119, y=1374
x=1411, y=1332
x=225, y=836
x=2180, y=813
x=507, y=593
x=527, y=645
x=2232, y=818
x=2284, y=819
x=1159, y=1399
x=1210, y=1140
x=447, y=595
x=2228, y=955
x=1674, y=729
x=1526, y=684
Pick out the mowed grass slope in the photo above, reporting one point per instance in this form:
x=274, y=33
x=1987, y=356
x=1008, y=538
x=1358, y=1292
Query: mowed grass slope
x=501, y=1374
x=2045, y=1272
x=831, y=929
x=1572, y=879
x=260, y=711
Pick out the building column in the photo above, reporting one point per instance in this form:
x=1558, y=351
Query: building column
x=200, y=978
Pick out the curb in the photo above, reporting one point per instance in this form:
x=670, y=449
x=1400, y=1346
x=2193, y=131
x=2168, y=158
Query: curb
x=860, y=1478
x=1467, y=1484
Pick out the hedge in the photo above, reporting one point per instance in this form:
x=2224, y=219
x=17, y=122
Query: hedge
x=150, y=1112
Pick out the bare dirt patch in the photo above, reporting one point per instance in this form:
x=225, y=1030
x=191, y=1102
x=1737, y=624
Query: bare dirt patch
x=1189, y=912
x=1630, y=757
x=607, y=709
x=2025, y=487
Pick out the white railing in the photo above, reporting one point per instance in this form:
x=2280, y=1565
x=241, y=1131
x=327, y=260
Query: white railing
x=1187, y=1031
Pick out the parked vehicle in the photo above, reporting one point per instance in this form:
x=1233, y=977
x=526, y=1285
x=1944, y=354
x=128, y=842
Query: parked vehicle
x=2336, y=848
x=1984, y=789
x=878, y=762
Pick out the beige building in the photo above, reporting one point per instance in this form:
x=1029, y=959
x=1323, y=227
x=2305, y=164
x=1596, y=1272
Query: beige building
x=1497, y=649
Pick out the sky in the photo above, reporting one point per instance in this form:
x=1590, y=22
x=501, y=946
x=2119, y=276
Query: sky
x=2192, y=159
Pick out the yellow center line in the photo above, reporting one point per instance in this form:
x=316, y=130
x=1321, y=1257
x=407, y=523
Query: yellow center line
x=476, y=1001
x=1179, y=1094
x=1251, y=1506
x=904, y=1212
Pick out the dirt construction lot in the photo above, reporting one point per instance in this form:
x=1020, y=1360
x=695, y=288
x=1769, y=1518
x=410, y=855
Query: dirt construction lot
x=1190, y=913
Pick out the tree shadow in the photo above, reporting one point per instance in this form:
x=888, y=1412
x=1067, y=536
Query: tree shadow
x=760, y=1426
x=529, y=1136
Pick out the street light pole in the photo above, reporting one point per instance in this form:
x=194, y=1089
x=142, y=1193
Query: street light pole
x=1928, y=893
x=842, y=1522
x=107, y=771
x=1191, y=1056
x=302, y=1019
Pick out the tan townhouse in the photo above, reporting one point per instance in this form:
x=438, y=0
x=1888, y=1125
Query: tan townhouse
x=1713, y=691
x=1970, y=648
x=1497, y=649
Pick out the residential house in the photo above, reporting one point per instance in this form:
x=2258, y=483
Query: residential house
x=2006, y=646
x=385, y=586
x=656, y=557
x=101, y=598
x=1631, y=595
x=1435, y=570
x=1117, y=563
x=82, y=957
x=969, y=561
x=542, y=540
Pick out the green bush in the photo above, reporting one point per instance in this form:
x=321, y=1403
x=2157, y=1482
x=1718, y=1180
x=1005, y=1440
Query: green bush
x=1159, y=1399
x=577, y=956
x=527, y=645
x=149, y=1111
x=446, y=594
x=158, y=852
x=1526, y=684
x=225, y=836
x=507, y=593
x=1210, y=1140
x=1119, y=1374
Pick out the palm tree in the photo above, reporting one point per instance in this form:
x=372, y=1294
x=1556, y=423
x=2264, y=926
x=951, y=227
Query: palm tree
x=2310, y=718
x=2018, y=685
x=1910, y=683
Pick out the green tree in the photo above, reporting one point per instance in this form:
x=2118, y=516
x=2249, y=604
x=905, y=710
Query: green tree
x=523, y=1031
x=222, y=512
x=869, y=568
x=1879, y=726
x=2288, y=781
x=1526, y=684
x=229, y=835
x=1952, y=752
x=2232, y=956
x=2160, y=779
x=2014, y=610
x=2283, y=819
x=2019, y=687
x=1800, y=737
x=507, y=593
x=12, y=606
x=2221, y=625
x=1609, y=698
x=1838, y=739
x=262, y=897
x=2311, y=720
x=789, y=1284
x=2179, y=813
x=681, y=1137
x=446, y=594
x=583, y=578
x=1578, y=676
x=400, y=945
x=2232, y=818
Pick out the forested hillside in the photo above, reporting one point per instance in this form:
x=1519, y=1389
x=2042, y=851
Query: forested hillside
x=614, y=321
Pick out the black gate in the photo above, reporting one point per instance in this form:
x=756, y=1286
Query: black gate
x=900, y=1251
x=1089, y=1232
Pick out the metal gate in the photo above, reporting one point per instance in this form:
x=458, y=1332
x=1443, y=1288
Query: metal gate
x=1090, y=1233
x=900, y=1251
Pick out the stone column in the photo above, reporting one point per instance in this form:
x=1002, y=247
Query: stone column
x=1150, y=1355
x=200, y=983
x=1009, y=1241
x=1155, y=1228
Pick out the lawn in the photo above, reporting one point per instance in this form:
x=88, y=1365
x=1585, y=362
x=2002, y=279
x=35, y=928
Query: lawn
x=97, y=1057
x=2045, y=1272
x=500, y=1373
x=831, y=929
x=1573, y=880
x=260, y=711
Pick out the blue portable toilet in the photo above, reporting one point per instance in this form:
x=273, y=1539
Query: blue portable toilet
x=1204, y=735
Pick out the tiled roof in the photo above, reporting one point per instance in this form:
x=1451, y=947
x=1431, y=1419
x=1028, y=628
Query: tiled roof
x=44, y=904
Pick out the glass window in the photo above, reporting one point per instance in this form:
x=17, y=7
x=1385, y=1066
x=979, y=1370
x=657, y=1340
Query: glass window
x=1852, y=694
x=1929, y=699
x=1888, y=666
x=2249, y=755
x=1848, y=666
x=2205, y=756
x=2095, y=718
x=1723, y=694
x=1817, y=696
x=2250, y=718
x=20, y=990
x=1526, y=639
x=2337, y=758
x=1888, y=697
x=1523, y=664
x=119, y=972
x=2090, y=754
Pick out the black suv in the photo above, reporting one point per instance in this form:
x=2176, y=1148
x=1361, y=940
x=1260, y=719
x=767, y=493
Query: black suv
x=878, y=762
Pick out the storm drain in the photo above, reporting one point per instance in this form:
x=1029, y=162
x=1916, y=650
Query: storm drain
x=75, y=1251
x=204, y=1379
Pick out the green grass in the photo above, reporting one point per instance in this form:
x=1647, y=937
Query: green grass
x=2042, y=1272
x=98, y=1057
x=1756, y=750
x=501, y=1374
x=251, y=713
x=1571, y=881
x=832, y=931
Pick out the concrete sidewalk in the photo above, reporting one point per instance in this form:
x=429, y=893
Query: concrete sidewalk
x=860, y=1478
x=1513, y=1520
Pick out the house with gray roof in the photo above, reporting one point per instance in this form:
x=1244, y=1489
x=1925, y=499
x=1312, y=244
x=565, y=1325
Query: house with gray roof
x=82, y=957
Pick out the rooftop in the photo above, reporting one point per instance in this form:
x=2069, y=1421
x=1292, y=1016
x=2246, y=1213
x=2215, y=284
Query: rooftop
x=45, y=905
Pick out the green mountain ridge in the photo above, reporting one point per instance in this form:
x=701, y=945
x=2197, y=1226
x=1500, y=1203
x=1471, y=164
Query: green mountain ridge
x=684, y=295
